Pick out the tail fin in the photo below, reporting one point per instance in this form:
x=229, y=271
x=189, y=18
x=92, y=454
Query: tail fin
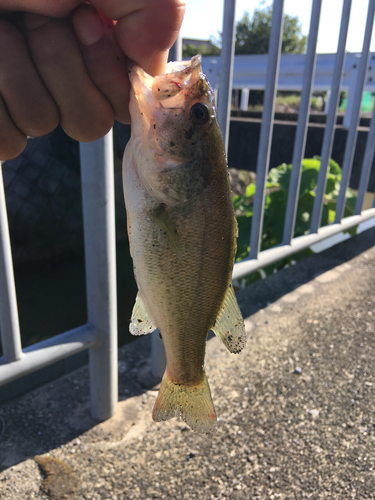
x=192, y=403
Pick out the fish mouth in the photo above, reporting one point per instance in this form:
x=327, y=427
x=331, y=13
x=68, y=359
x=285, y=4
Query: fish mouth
x=168, y=91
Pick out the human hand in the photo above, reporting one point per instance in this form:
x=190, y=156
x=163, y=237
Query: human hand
x=65, y=62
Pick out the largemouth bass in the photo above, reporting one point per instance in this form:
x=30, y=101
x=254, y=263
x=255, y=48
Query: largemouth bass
x=182, y=232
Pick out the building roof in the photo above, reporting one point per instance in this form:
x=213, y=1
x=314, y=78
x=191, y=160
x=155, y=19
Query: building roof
x=197, y=42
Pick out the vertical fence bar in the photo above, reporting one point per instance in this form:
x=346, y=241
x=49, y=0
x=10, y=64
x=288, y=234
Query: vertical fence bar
x=353, y=130
x=9, y=324
x=267, y=125
x=97, y=174
x=226, y=69
x=366, y=167
x=175, y=52
x=329, y=131
x=245, y=92
x=302, y=125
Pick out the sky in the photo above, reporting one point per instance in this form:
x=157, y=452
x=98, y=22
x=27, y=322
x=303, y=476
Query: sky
x=203, y=19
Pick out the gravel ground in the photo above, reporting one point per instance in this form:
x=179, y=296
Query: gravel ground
x=295, y=409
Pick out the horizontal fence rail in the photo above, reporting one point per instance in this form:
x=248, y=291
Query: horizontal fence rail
x=42, y=354
x=272, y=255
x=249, y=71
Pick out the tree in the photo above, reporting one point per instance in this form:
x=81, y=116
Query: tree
x=252, y=35
x=191, y=50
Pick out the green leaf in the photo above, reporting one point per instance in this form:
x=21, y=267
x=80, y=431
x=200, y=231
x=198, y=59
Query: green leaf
x=239, y=202
x=250, y=190
x=331, y=217
x=309, y=179
x=352, y=231
x=243, y=240
x=333, y=168
x=277, y=187
x=330, y=186
x=276, y=175
x=311, y=163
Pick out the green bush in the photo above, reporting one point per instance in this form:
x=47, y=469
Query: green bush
x=275, y=207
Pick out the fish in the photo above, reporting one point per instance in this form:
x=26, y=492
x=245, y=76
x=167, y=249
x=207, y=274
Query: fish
x=182, y=233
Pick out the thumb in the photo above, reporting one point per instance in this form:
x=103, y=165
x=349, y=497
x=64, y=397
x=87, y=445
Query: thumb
x=145, y=29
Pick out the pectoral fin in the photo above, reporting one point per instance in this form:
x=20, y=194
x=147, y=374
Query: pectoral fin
x=229, y=325
x=166, y=226
x=141, y=323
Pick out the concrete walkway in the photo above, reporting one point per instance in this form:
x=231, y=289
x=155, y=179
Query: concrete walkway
x=295, y=409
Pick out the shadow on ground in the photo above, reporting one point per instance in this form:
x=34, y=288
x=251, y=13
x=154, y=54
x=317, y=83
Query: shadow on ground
x=59, y=412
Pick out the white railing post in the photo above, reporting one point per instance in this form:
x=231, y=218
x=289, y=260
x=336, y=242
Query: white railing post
x=244, y=99
x=266, y=129
x=331, y=118
x=97, y=174
x=366, y=167
x=9, y=324
x=175, y=52
x=355, y=116
x=226, y=69
x=302, y=125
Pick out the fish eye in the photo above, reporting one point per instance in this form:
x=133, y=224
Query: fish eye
x=199, y=113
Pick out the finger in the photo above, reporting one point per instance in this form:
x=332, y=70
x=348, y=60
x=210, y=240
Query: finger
x=146, y=29
x=117, y=9
x=12, y=140
x=55, y=8
x=28, y=102
x=104, y=60
x=85, y=113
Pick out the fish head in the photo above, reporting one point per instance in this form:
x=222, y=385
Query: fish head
x=174, y=129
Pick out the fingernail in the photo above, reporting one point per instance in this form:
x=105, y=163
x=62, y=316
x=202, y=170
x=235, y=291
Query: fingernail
x=33, y=21
x=88, y=26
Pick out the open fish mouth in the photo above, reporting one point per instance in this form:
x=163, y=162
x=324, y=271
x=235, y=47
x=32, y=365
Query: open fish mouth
x=169, y=91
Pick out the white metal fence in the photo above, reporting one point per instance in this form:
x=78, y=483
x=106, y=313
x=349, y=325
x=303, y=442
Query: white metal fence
x=249, y=73
x=100, y=332
x=258, y=259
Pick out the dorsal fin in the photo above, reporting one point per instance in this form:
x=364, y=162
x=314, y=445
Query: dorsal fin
x=141, y=323
x=229, y=325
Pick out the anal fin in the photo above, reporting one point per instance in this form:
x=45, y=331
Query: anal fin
x=141, y=323
x=229, y=325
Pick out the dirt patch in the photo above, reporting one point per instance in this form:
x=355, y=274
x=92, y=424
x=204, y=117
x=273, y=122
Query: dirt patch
x=60, y=483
